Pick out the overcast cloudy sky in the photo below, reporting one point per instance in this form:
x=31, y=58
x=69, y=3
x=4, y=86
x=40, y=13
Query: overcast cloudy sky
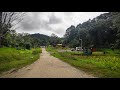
x=53, y=22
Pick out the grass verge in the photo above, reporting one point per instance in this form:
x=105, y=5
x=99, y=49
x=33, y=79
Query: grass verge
x=12, y=58
x=103, y=66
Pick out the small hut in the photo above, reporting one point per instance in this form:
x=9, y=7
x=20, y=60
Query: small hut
x=59, y=45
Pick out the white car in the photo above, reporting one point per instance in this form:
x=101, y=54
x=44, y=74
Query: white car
x=79, y=49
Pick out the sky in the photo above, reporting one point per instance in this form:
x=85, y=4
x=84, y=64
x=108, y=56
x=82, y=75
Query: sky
x=53, y=22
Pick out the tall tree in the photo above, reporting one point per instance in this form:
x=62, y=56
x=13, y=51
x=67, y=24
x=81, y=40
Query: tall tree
x=9, y=20
x=54, y=39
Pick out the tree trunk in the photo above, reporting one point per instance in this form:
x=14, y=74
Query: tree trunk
x=0, y=21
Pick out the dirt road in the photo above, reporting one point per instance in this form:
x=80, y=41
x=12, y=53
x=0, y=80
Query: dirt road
x=48, y=67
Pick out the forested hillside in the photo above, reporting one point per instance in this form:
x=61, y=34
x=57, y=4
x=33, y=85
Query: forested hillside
x=43, y=39
x=101, y=32
x=14, y=39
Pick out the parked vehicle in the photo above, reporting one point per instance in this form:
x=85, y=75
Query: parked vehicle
x=79, y=49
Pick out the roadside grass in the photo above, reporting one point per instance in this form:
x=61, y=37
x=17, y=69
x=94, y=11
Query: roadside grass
x=51, y=49
x=99, y=64
x=110, y=52
x=12, y=58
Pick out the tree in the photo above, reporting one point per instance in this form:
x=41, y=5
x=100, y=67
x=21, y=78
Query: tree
x=9, y=20
x=54, y=40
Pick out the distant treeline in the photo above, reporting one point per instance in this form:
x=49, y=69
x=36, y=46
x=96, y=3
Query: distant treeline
x=24, y=40
x=27, y=41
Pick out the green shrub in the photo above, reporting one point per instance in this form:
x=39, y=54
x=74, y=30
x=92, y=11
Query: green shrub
x=36, y=51
x=27, y=46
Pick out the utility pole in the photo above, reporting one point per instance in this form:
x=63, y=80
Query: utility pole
x=81, y=43
x=80, y=40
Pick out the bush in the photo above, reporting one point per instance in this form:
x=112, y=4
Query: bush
x=36, y=51
x=27, y=46
x=18, y=48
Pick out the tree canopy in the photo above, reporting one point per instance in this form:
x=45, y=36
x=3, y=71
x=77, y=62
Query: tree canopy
x=102, y=31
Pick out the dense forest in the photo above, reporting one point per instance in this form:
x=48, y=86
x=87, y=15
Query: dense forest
x=100, y=32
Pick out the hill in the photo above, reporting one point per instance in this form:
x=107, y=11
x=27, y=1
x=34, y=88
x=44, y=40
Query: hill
x=101, y=32
x=43, y=39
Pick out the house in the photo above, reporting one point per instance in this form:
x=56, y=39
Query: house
x=59, y=45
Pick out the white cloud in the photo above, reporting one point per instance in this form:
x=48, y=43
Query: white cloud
x=53, y=22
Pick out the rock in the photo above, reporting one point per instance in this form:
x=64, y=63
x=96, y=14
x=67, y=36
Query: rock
x=28, y=69
x=12, y=70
